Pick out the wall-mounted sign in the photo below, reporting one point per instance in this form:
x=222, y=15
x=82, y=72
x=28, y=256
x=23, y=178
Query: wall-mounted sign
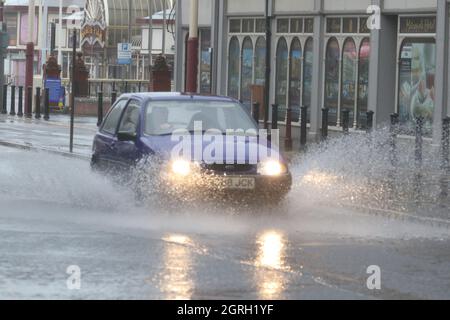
x=418, y=25
x=124, y=54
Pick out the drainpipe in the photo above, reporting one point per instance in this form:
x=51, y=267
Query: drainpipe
x=192, y=50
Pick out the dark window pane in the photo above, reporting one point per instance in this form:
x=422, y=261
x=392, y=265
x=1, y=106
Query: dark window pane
x=363, y=26
x=350, y=25
x=260, y=61
x=281, y=78
x=205, y=61
x=334, y=25
x=233, y=68
x=307, y=72
x=260, y=25
x=247, y=71
x=296, y=25
x=295, y=79
x=332, y=79
x=235, y=26
x=363, y=82
x=309, y=25
x=348, y=90
x=283, y=25
x=248, y=25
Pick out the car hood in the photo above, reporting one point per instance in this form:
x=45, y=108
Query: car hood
x=163, y=147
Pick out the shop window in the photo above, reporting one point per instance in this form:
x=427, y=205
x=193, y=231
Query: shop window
x=233, y=68
x=309, y=25
x=205, y=61
x=416, y=81
x=281, y=78
x=348, y=90
x=246, y=71
x=350, y=25
x=334, y=25
x=308, y=73
x=332, y=79
x=260, y=61
x=295, y=72
x=363, y=82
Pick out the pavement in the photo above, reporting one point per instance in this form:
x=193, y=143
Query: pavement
x=52, y=135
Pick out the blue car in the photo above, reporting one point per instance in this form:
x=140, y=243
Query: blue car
x=203, y=146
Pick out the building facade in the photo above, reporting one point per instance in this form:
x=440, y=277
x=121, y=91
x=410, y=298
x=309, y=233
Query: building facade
x=335, y=54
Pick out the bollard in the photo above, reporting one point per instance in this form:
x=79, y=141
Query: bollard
x=325, y=123
x=369, y=125
x=126, y=86
x=13, y=101
x=100, y=109
x=445, y=143
x=37, y=112
x=20, y=107
x=255, y=112
x=419, y=142
x=274, y=116
x=47, y=104
x=5, y=99
x=140, y=86
x=28, y=106
x=303, y=126
x=345, y=120
x=393, y=138
x=113, y=97
x=288, y=138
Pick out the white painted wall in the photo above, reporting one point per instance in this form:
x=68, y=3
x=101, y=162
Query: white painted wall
x=204, y=13
x=410, y=4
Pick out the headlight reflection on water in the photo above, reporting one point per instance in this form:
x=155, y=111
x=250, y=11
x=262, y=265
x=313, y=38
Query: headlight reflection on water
x=271, y=252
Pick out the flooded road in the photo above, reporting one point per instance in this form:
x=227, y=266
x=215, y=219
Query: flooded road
x=55, y=213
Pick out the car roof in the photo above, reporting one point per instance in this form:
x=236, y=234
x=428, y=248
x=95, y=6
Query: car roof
x=174, y=96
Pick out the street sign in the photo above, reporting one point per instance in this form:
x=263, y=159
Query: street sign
x=124, y=55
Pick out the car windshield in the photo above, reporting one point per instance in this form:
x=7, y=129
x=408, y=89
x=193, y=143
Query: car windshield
x=164, y=117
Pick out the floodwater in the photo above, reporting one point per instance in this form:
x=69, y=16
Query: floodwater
x=55, y=213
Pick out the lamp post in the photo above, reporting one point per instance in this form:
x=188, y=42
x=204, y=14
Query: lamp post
x=268, y=69
x=192, y=53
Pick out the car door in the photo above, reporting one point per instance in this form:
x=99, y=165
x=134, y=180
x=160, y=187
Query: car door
x=127, y=153
x=106, y=139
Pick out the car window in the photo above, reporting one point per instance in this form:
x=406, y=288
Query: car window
x=112, y=120
x=164, y=117
x=130, y=118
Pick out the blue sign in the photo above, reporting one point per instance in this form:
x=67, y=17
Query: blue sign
x=124, y=55
x=55, y=91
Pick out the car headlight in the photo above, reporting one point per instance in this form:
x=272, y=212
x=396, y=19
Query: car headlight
x=181, y=167
x=271, y=168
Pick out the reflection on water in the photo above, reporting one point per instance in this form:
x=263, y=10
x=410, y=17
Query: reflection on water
x=177, y=283
x=271, y=262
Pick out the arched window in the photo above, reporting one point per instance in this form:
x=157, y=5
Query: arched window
x=281, y=78
x=307, y=72
x=260, y=61
x=416, y=80
x=348, y=90
x=295, y=75
x=233, y=68
x=247, y=71
x=332, y=79
x=363, y=81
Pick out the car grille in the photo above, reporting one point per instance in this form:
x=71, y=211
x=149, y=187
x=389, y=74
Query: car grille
x=230, y=168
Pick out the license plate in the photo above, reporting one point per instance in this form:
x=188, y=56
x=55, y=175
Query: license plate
x=237, y=183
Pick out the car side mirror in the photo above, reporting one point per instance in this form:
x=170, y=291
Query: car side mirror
x=126, y=136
